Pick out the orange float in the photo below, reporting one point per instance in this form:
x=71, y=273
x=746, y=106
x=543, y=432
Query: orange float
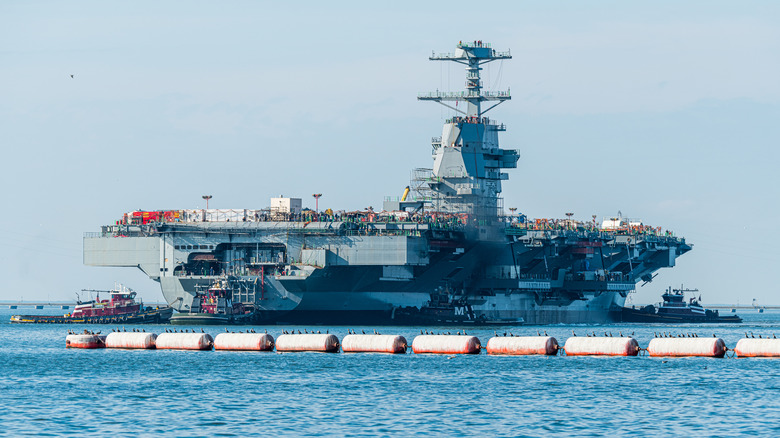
x=85, y=341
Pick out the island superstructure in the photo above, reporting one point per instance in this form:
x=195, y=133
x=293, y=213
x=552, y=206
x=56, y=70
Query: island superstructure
x=444, y=252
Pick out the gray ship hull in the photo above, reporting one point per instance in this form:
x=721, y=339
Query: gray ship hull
x=479, y=280
x=346, y=307
x=446, y=252
x=336, y=308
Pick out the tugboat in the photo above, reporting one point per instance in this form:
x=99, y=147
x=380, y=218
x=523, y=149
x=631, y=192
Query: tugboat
x=215, y=306
x=444, y=309
x=675, y=310
x=121, y=307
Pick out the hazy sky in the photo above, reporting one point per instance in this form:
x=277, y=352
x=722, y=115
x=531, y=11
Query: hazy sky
x=666, y=111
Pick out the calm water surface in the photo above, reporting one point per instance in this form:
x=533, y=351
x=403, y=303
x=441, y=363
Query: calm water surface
x=50, y=390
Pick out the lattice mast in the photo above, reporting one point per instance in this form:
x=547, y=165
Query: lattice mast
x=472, y=55
x=466, y=176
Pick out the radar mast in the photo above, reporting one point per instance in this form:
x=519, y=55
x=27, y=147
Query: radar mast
x=467, y=160
x=473, y=56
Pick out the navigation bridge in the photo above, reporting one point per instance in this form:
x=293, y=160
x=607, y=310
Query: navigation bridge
x=466, y=175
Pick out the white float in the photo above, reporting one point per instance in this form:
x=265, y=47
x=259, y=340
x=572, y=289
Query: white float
x=131, y=340
x=373, y=344
x=244, y=342
x=446, y=344
x=758, y=347
x=682, y=347
x=523, y=345
x=601, y=346
x=184, y=341
x=307, y=342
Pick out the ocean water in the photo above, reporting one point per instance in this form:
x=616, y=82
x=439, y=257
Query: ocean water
x=48, y=390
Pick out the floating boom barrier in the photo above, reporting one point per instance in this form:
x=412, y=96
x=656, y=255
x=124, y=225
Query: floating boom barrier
x=131, y=341
x=391, y=344
x=244, y=342
x=667, y=346
x=523, y=345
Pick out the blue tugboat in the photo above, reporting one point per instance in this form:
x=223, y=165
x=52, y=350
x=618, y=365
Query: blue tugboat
x=675, y=310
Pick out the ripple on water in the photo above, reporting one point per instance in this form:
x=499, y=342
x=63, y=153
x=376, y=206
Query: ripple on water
x=51, y=391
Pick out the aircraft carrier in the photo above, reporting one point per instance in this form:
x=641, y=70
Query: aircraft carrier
x=446, y=252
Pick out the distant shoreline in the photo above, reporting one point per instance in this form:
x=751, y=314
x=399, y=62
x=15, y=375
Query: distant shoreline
x=729, y=306
x=60, y=303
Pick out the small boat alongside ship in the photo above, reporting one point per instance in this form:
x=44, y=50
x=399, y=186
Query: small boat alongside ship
x=214, y=306
x=444, y=309
x=675, y=310
x=121, y=307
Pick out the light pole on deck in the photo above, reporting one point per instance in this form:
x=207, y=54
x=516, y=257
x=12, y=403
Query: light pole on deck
x=568, y=224
x=207, y=197
x=317, y=202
